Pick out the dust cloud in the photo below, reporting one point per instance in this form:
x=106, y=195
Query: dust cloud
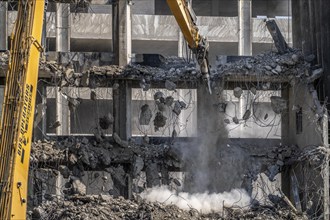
x=203, y=202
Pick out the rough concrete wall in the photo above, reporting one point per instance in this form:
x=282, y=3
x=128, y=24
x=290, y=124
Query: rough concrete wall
x=299, y=96
x=271, y=8
x=145, y=7
x=155, y=27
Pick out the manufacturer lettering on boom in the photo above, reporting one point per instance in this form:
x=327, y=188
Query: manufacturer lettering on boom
x=26, y=114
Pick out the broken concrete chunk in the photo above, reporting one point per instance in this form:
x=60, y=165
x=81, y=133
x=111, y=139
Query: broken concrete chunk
x=145, y=115
x=246, y=115
x=227, y=121
x=253, y=90
x=106, y=121
x=235, y=120
x=278, y=104
x=77, y=186
x=54, y=125
x=278, y=69
x=158, y=95
x=93, y=95
x=64, y=170
x=238, y=92
x=169, y=100
x=160, y=106
x=159, y=121
x=169, y=85
x=183, y=104
x=177, y=108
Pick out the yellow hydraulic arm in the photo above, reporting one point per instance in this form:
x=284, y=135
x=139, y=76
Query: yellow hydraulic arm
x=186, y=20
x=18, y=109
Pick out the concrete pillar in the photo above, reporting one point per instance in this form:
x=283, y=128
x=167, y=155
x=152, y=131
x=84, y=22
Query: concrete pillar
x=62, y=112
x=62, y=27
x=3, y=26
x=122, y=96
x=122, y=32
x=152, y=174
x=245, y=26
x=181, y=45
x=325, y=170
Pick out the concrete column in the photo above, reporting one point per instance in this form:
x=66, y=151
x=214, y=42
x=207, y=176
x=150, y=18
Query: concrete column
x=325, y=170
x=245, y=26
x=122, y=32
x=3, y=26
x=296, y=30
x=62, y=112
x=62, y=27
x=122, y=96
x=181, y=45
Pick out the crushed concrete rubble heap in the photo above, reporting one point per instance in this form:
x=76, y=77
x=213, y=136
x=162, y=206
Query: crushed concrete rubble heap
x=107, y=207
x=99, y=154
x=293, y=63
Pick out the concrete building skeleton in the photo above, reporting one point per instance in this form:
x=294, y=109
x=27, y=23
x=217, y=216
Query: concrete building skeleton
x=79, y=37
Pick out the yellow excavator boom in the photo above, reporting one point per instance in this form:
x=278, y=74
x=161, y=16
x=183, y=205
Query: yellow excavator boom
x=186, y=19
x=18, y=109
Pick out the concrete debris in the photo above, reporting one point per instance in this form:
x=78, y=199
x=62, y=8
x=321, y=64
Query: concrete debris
x=145, y=115
x=104, y=207
x=159, y=121
x=77, y=186
x=246, y=115
x=169, y=100
x=235, y=120
x=106, y=121
x=253, y=90
x=119, y=141
x=289, y=64
x=64, y=170
x=158, y=95
x=93, y=95
x=169, y=85
x=238, y=92
x=54, y=125
x=278, y=104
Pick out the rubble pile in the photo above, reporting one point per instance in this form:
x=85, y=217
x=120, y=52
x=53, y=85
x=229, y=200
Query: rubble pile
x=108, y=207
x=80, y=153
x=4, y=58
x=292, y=63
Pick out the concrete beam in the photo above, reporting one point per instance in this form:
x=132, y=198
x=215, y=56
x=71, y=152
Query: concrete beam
x=122, y=32
x=3, y=26
x=245, y=34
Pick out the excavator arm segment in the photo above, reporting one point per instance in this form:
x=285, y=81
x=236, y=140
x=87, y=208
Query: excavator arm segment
x=18, y=109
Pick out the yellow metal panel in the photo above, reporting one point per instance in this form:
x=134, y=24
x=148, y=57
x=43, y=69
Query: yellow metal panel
x=23, y=144
x=18, y=109
x=189, y=30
